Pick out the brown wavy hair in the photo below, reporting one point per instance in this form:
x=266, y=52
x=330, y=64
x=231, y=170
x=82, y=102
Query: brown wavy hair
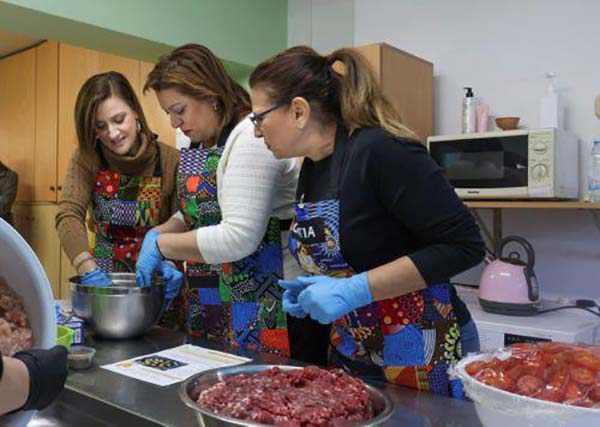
x=339, y=86
x=193, y=70
x=95, y=90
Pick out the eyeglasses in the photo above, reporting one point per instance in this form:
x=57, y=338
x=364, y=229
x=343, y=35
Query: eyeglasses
x=257, y=118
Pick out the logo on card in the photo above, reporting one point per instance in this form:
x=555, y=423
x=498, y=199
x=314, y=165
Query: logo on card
x=310, y=231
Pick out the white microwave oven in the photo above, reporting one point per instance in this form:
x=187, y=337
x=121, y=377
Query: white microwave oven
x=519, y=164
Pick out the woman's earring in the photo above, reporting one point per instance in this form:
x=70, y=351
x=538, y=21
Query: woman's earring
x=139, y=126
x=215, y=106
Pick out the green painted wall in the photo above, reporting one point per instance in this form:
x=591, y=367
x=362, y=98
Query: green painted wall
x=241, y=32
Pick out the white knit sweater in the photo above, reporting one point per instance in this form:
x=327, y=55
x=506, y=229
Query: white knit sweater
x=252, y=186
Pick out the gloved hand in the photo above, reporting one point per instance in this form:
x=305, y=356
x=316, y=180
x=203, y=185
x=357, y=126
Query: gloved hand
x=47, y=375
x=326, y=299
x=95, y=277
x=149, y=259
x=173, y=280
x=290, y=297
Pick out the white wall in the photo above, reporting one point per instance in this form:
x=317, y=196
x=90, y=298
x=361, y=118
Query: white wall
x=323, y=24
x=502, y=50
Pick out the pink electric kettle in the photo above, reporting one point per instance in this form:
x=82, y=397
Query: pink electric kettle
x=508, y=285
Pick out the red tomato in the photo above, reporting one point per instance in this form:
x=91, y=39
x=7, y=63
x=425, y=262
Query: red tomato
x=474, y=367
x=582, y=376
x=504, y=382
x=487, y=376
x=555, y=347
x=573, y=393
x=587, y=360
x=516, y=372
x=551, y=394
x=529, y=385
x=594, y=393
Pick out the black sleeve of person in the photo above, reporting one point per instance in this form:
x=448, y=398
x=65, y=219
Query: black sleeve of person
x=415, y=191
x=47, y=375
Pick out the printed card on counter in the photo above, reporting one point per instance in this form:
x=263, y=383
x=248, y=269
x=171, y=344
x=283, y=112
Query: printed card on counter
x=175, y=364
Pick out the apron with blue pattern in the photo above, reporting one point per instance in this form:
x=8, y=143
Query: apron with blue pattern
x=236, y=303
x=409, y=340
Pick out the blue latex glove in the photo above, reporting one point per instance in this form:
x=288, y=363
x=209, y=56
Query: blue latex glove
x=173, y=280
x=95, y=278
x=290, y=297
x=149, y=259
x=326, y=299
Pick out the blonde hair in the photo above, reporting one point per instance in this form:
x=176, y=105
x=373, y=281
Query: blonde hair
x=193, y=70
x=350, y=93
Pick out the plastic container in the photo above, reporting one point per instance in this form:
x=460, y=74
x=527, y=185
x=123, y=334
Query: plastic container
x=469, y=114
x=22, y=271
x=499, y=408
x=552, y=112
x=594, y=175
x=80, y=357
x=64, y=336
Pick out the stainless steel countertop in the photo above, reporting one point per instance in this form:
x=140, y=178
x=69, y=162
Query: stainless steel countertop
x=98, y=397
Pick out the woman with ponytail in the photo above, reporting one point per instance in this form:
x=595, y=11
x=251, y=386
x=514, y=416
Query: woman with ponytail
x=377, y=225
x=235, y=202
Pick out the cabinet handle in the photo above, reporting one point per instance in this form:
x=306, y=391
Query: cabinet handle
x=60, y=188
x=52, y=188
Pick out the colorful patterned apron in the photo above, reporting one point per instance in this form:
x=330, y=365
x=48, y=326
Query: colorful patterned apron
x=124, y=208
x=237, y=303
x=409, y=340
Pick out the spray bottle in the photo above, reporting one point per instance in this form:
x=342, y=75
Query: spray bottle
x=469, y=115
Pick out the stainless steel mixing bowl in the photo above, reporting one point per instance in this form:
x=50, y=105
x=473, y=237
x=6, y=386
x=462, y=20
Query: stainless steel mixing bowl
x=123, y=310
x=192, y=387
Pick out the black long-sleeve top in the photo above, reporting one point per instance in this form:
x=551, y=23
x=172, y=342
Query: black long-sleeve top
x=395, y=201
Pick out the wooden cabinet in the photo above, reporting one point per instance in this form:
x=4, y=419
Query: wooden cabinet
x=17, y=115
x=407, y=81
x=157, y=119
x=28, y=88
x=35, y=222
x=46, y=123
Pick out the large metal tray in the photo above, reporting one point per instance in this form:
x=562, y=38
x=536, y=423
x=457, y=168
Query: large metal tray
x=191, y=388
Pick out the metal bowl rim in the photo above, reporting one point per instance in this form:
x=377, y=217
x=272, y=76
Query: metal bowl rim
x=115, y=289
x=385, y=415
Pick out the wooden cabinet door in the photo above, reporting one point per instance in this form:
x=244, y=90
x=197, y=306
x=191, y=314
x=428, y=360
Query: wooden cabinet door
x=17, y=119
x=157, y=119
x=76, y=65
x=35, y=222
x=46, y=122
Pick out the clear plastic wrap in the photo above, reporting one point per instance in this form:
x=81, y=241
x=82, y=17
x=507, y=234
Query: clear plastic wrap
x=541, y=384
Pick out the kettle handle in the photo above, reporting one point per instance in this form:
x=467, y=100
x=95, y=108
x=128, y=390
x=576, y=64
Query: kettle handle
x=526, y=245
x=532, y=284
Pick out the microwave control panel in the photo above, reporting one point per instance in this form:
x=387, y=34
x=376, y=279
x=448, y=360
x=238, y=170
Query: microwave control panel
x=541, y=149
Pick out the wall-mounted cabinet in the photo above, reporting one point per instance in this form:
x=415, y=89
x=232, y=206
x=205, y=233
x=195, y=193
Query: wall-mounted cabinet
x=39, y=87
x=407, y=81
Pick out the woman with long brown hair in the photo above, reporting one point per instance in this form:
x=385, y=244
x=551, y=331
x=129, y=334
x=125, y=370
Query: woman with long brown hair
x=123, y=175
x=376, y=217
x=234, y=197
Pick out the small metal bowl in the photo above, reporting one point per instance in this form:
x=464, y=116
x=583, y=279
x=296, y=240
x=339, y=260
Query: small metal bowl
x=120, y=311
x=192, y=387
x=80, y=357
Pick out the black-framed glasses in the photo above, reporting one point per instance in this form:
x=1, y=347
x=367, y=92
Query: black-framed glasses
x=257, y=118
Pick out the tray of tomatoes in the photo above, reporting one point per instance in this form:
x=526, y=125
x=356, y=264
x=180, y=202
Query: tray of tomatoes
x=551, y=371
x=532, y=379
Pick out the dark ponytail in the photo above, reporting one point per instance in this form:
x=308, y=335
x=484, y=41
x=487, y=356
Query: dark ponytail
x=339, y=86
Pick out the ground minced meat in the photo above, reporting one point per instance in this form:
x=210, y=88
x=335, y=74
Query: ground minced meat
x=15, y=332
x=308, y=397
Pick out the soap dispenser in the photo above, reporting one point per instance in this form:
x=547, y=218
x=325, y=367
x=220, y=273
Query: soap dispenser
x=469, y=115
x=552, y=113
